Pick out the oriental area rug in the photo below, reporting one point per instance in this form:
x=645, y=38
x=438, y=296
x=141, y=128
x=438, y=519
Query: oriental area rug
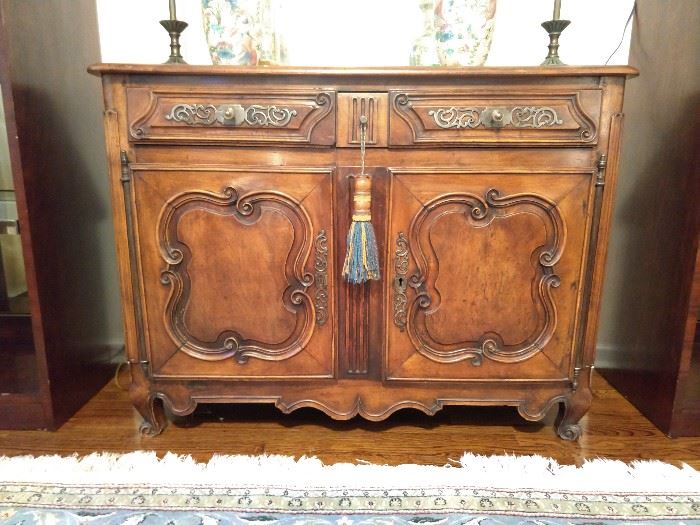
x=141, y=489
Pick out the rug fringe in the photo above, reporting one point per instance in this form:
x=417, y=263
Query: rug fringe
x=471, y=471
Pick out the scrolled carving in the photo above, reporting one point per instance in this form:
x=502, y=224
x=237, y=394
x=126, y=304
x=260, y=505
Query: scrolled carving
x=569, y=432
x=324, y=99
x=231, y=115
x=247, y=209
x=480, y=212
x=454, y=117
x=534, y=117
x=473, y=117
x=268, y=116
x=401, y=262
x=400, y=281
x=194, y=114
x=321, y=277
x=290, y=116
x=402, y=100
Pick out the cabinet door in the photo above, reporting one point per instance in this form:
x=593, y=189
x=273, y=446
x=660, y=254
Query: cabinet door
x=234, y=271
x=485, y=274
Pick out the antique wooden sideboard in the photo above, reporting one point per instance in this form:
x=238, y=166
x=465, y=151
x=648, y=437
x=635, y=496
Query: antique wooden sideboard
x=491, y=201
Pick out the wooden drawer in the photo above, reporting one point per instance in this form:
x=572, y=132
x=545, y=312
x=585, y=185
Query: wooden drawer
x=353, y=106
x=216, y=115
x=527, y=118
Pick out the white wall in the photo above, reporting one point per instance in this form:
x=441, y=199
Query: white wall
x=370, y=32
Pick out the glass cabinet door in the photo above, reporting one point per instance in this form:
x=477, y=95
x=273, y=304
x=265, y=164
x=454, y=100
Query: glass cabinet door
x=17, y=356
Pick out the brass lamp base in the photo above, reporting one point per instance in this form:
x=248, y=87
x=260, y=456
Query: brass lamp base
x=554, y=28
x=174, y=29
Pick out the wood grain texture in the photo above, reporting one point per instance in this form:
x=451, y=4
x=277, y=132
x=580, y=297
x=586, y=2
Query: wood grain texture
x=613, y=429
x=528, y=115
x=231, y=115
x=360, y=327
x=406, y=72
x=352, y=106
x=239, y=237
x=499, y=246
x=485, y=281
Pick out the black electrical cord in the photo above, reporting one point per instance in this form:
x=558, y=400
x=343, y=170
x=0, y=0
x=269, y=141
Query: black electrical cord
x=629, y=18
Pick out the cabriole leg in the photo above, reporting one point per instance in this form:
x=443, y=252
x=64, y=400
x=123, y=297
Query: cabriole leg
x=573, y=408
x=153, y=413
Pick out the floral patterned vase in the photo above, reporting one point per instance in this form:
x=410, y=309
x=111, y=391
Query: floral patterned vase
x=463, y=29
x=242, y=32
x=425, y=48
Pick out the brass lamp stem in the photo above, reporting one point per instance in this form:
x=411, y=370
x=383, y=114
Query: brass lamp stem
x=174, y=29
x=554, y=28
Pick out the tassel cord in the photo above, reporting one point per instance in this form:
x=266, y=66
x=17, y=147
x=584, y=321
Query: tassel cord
x=362, y=258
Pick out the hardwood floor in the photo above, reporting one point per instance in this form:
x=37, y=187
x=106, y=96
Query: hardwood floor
x=612, y=429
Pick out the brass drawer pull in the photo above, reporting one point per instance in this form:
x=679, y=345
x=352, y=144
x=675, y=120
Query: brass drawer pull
x=517, y=117
x=231, y=115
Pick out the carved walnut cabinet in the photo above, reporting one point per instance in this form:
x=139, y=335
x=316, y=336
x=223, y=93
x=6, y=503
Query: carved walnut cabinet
x=491, y=201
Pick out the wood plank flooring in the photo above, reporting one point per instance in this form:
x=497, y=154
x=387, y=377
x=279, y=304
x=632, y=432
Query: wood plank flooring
x=612, y=429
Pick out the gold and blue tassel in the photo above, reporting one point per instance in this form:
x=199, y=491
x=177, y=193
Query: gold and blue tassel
x=362, y=258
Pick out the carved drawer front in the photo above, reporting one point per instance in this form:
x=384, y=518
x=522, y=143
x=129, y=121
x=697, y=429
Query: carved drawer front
x=235, y=271
x=353, y=106
x=485, y=274
x=493, y=117
x=214, y=116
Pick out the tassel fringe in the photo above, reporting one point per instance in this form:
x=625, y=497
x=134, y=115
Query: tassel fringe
x=362, y=258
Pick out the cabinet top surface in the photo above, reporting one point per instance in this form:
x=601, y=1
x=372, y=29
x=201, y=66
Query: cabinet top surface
x=407, y=72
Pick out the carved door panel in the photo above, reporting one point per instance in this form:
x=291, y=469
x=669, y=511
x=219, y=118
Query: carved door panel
x=485, y=274
x=235, y=279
